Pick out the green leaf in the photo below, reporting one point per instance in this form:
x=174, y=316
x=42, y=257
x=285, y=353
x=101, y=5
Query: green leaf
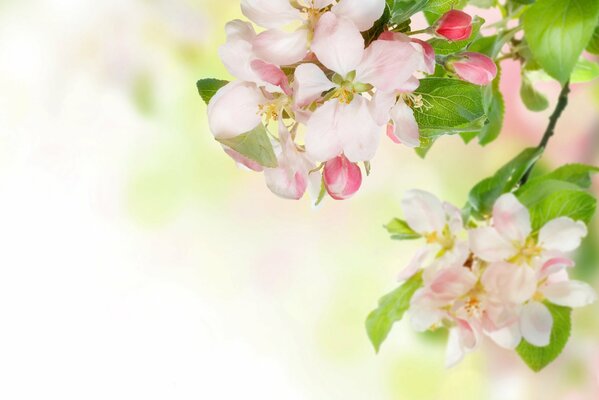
x=402, y=10
x=400, y=230
x=450, y=106
x=538, y=358
x=483, y=196
x=495, y=113
x=551, y=199
x=436, y=8
x=584, y=71
x=208, y=88
x=532, y=99
x=426, y=144
x=446, y=47
x=578, y=174
x=557, y=31
x=391, y=309
x=593, y=46
x=254, y=145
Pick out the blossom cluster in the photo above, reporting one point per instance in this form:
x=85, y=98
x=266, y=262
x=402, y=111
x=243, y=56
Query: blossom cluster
x=328, y=95
x=492, y=280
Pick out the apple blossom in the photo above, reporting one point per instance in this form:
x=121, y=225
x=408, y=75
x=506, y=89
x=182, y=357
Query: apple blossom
x=281, y=47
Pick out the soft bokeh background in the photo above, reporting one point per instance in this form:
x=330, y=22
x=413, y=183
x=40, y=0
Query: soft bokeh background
x=137, y=262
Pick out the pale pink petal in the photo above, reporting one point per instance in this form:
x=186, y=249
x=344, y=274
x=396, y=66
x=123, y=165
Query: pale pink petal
x=270, y=13
x=406, y=128
x=359, y=133
x=508, y=337
x=454, y=352
x=381, y=105
x=316, y=4
x=409, y=86
x=281, y=48
x=387, y=65
x=454, y=217
x=240, y=30
x=489, y=245
x=509, y=282
x=364, y=13
x=310, y=83
x=511, y=218
x=452, y=283
x=417, y=262
x=428, y=55
x=424, y=311
x=562, y=234
x=234, y=110
x=237, y=54
x=570, y=293
x=423, y=212
x=290, y=179
x=536, y=323
x=322, y=136
x=555, y=265
x=272, y=74
x=338, y=44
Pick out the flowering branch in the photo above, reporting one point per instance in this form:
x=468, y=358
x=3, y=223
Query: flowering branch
x=309, y=108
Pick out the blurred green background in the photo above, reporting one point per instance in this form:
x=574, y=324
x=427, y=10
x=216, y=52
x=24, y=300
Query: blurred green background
x=140, y=262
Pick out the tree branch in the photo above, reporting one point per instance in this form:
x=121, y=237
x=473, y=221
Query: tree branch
x=562, y=103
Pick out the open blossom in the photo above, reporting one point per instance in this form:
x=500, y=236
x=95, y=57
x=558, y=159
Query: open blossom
x=281, y=47
x=494, y=283
x=440, y=224
x=346, y=123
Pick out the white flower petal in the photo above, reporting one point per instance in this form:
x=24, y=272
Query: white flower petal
x=454, y=352
x=381, y=105
x=338, y=44
x=489, y=245
x=310, y=82
x=387, y=65
x=562, y=234
x=508, y=282
x=270, y=13
x=423, y=212
x=406, y=127
x=322, y=139
x=359, y=133
x=536, y=323
x=234, y=110
x=570, y=293
x=364, y=13
x=508, y=337
x=280, y=47
x=237, y=54
x=511, y=218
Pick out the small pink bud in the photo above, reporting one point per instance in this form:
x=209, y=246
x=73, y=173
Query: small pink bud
x=454, y=25
x=342, y=178
x=474, y=68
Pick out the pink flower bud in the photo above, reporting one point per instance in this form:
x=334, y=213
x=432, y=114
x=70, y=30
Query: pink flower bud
x=454, y=25
x=342, y=178
x=474, y=68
